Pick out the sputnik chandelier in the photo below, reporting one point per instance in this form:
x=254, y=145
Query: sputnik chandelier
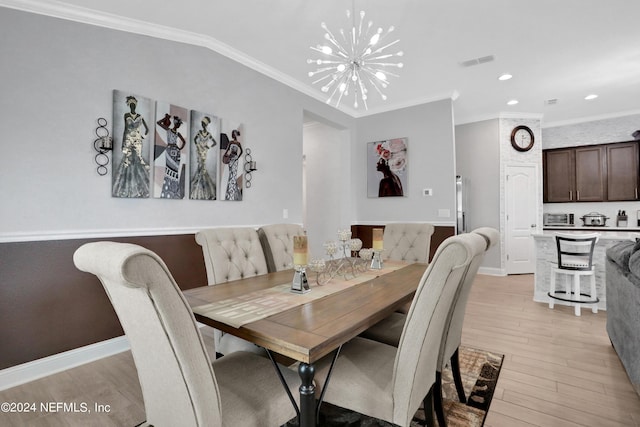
x=356, y=63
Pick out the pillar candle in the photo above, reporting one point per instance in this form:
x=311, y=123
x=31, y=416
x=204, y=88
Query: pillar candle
x=377, y=239
x=299, y=250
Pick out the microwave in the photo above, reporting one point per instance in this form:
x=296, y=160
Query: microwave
x=558, y=219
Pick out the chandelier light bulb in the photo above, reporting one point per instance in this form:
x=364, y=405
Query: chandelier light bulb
x=357, y=62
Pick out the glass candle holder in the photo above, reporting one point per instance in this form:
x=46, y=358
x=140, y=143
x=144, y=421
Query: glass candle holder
x=344, y=235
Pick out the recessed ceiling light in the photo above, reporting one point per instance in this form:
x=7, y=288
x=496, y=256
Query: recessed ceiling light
x=590, y=97
x=505, y=76
x=512, y=102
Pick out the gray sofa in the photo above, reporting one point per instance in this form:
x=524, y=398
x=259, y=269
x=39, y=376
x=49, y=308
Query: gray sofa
x=623, y=305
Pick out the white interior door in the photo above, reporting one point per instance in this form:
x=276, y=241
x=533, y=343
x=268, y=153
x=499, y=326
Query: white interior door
x=522, y=213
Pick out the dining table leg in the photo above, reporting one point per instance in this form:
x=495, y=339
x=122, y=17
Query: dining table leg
x=307, y=395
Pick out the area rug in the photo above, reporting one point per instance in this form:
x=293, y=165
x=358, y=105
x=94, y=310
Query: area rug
x=479, y=370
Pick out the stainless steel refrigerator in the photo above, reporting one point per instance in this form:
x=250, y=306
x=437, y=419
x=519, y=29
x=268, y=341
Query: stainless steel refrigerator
x=461, y=214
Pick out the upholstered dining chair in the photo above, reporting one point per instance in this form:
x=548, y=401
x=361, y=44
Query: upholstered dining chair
x=180, y=385
x=389, y=330
x=388, y=382
x=277, y=244
x=231, y=254
x=407, y=241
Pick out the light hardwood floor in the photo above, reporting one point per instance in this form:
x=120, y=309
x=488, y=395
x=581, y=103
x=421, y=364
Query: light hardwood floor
x=559, y=370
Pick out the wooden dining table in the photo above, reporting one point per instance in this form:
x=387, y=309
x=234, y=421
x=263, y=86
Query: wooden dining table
x=314, y=329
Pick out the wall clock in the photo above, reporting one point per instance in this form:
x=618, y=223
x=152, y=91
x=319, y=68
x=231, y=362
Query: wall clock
x=522, y=138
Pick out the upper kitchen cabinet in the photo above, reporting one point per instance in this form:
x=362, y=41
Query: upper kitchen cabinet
x=622, y=171
x=592, y=173
x=559, y=175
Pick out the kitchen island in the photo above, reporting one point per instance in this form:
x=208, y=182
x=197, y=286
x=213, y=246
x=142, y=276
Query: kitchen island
x=546, y=257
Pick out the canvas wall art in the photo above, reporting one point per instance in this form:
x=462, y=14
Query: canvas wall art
x=170, y=155
x=132, y=141
x=231, y=163
x=204, y=150
x=387, y=168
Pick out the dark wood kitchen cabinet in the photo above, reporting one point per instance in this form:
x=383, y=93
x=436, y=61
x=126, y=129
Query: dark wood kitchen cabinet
x=559, y=175
x=592, y=173
x=622, y=171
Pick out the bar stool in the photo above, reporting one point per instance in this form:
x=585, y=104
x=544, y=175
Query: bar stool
x=575, y=258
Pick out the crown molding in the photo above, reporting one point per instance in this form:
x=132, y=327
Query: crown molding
x=82, y=15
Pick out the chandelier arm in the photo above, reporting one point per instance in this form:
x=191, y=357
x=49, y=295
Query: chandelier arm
x=375, y=86
x=380, y=49
x=363, y=92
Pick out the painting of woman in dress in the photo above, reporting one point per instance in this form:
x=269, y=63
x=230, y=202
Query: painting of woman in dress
x=389, y=159
x=170, y=162
x=203, y=159
x=232, y=159
x=131, y=162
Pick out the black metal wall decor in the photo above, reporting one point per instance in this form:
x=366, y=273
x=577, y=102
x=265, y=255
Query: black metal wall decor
x=102, y=144
x=249, y=167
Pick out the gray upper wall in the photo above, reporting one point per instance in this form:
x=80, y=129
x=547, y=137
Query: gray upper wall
x=58, y=77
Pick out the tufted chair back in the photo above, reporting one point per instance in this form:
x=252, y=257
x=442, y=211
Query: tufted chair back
x=231, y=253
x=277, y=244
x=407, y=241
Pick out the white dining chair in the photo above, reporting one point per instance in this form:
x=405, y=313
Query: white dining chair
x=180, y=385
x=574, y=261
x=230, y=254
x=388, y=382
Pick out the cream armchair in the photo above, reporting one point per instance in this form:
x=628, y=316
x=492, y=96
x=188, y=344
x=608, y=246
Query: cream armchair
x=277, y=244
x=231, y=254
x=180, y=386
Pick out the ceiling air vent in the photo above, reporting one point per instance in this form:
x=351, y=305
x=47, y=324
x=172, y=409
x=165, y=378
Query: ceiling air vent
x=478, y=61
x=552, y=101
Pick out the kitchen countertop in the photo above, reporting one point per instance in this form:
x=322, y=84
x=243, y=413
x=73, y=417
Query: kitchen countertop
x=582, y=228
x=606, y=233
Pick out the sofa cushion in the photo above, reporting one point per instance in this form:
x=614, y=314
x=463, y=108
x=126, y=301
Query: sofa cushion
x=621, y=252
x=634, y=263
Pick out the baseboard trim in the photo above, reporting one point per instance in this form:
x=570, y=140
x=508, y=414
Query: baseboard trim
x=20, y=374
x=490, y=271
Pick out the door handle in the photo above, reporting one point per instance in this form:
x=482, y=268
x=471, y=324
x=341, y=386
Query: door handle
x=534, y=225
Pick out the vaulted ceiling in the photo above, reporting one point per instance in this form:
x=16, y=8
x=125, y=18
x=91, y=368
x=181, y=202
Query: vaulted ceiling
x=557, y=51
